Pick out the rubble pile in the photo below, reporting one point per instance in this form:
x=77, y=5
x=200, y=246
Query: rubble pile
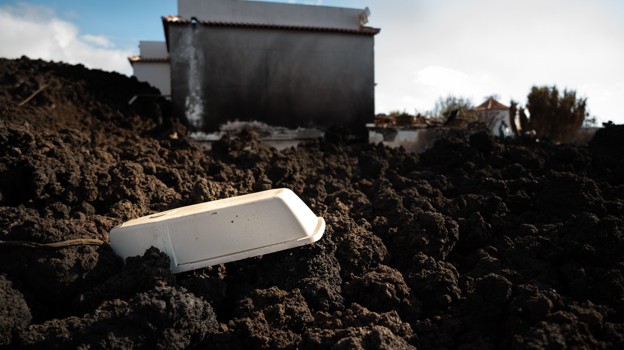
x=473, y=244
x=406, y=120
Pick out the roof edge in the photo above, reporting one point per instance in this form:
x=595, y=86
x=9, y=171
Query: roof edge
x=489, y=105
x=179, y=20
x=141, y=59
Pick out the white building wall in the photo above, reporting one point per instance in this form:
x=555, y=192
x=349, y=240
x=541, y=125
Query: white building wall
x=157, y=74
x=153, y=49
x=411, y=139
x=270, y=13
x=502, y=115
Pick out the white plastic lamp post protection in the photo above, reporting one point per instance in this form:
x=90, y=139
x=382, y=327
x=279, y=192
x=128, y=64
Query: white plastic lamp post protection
x=222, y=231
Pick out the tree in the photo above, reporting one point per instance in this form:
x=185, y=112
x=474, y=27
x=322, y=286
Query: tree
x=493, y=96
x=555, y=116
x=590, y=122
x=445, y=106
x=513, y=109
x=525, y=125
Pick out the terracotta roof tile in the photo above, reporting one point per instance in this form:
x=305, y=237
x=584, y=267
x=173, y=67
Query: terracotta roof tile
x=490, y=104
x=133, y=59
x=362, y=30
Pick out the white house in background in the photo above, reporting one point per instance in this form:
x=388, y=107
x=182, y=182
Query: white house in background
x=492, y=113
x=152, y=65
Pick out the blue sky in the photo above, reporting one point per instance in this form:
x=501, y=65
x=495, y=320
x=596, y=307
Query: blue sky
x=426, y=49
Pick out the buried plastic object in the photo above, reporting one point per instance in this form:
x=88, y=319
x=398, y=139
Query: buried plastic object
x=222, y=231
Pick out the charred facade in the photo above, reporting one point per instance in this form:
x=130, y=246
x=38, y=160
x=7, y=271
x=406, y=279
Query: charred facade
x=279, y=75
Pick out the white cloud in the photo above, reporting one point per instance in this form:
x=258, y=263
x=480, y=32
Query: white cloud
x=434, y=77
x=427, y=85
x=36, y=31
x=98, y=40
x=481, y=47
x=37, y=13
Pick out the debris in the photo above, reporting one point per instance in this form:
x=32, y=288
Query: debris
x=56, y=245
x=222, y=231
x=33, y=94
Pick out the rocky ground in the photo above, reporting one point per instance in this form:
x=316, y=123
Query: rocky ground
x=474, y=244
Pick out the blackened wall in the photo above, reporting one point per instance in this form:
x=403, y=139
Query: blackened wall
x=281, y=77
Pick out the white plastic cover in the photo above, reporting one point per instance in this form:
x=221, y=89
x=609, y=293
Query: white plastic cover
x=222, y=231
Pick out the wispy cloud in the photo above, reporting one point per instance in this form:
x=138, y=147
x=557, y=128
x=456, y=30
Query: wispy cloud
x=36, y=31
x=71, y=14
x=98, y=40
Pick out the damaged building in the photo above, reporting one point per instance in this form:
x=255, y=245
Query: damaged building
x=285, y=65
x=492, y=113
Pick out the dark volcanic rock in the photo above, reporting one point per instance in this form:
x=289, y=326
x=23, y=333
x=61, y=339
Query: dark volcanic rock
x=164, y=318
x=473, y=244
x=140, y=274
x=269, y=318
x=358, y=328
x=382, y=290
x=14, y=313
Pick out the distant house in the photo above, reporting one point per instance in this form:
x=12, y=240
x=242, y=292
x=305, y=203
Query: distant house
x=152, y=65
x=492, y=113
x=281, y=64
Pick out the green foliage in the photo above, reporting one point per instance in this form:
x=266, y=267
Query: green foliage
x=590, y=122
x=525, y=125
x=444, y=107
x=554, y=115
